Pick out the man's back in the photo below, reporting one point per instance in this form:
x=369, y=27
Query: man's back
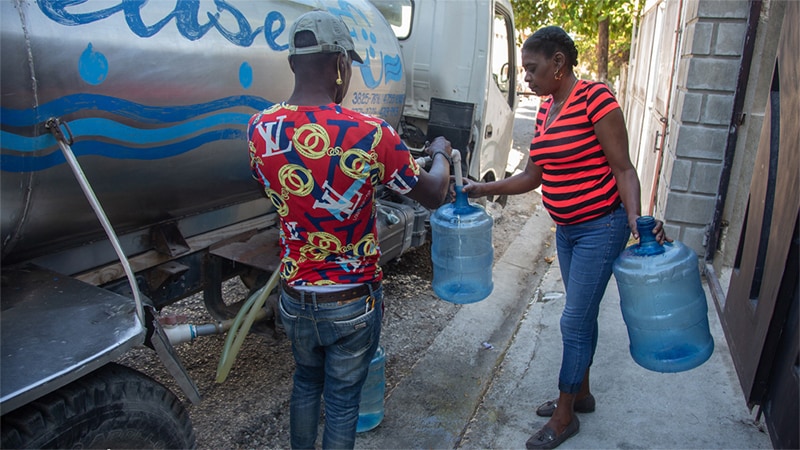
x=320, y=166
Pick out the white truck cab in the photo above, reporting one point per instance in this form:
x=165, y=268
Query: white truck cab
x=460, y=59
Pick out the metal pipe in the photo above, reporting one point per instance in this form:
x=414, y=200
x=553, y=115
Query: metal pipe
x=178, y=334
x=54, y=125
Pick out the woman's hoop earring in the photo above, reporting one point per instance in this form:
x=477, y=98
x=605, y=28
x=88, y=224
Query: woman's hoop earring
x=558, y=75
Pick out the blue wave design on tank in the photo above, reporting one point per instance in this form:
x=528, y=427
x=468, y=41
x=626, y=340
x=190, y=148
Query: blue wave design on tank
x=393, y=67
x=22, y=163
x=124, y=108
x=111, y=130
x=107, y=137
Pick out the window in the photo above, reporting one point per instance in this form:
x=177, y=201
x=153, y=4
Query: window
x=504, y=67
x=398, y=13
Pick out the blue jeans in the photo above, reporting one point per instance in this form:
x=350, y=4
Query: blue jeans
x=586, y=253
x=332, y=346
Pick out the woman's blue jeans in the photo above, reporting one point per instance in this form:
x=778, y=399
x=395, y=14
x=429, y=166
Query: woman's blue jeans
x=586, y=253
x=332, y=346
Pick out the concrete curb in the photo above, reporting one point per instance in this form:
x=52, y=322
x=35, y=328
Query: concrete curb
x=432, y=406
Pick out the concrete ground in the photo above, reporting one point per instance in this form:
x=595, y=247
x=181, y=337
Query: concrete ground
x=480, y=382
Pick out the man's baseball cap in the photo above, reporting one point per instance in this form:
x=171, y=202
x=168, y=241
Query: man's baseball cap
x=330, y=32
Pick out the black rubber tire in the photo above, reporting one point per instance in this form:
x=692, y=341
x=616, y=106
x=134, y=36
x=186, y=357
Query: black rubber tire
x=113, y=407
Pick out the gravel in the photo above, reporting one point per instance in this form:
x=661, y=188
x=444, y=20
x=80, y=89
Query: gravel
x=250, y=409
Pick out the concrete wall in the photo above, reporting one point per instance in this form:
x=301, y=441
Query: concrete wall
x=706, y=75
x=761, y=71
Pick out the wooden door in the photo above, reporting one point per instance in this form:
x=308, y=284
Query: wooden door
x=754, y=310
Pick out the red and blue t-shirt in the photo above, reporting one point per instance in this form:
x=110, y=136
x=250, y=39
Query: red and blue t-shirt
x=577, y=182
x=320, y=166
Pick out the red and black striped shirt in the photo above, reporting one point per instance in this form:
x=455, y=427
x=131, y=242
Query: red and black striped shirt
x=577, y=182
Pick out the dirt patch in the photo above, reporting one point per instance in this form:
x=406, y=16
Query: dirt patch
x=251, y=408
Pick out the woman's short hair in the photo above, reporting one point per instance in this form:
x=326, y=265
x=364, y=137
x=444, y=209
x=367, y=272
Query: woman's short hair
x=552, y=39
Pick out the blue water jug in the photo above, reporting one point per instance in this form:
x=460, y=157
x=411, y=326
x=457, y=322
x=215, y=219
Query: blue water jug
x=462, y=251
x=663, y=303
x=370, y=410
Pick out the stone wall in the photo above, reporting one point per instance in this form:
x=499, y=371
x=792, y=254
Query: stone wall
x=707, y=71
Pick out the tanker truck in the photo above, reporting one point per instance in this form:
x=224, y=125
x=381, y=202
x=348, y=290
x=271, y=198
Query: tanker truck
x=126, y=185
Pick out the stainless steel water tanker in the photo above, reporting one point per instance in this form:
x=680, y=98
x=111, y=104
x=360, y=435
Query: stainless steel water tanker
x=156, y=96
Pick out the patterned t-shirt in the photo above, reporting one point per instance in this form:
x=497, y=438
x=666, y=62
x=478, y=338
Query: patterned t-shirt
x=577, y=182
x=320, y=165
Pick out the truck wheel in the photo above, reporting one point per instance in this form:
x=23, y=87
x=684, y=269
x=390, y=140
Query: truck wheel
x=113, y=407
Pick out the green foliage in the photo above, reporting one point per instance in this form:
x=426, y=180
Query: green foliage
x=580, y=19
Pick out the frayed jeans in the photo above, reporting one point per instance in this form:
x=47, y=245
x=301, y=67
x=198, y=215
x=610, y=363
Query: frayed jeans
x=332, y=346
x=586, y=253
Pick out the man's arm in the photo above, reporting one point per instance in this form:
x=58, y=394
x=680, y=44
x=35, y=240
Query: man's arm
x=523, y=182
x=431, y=188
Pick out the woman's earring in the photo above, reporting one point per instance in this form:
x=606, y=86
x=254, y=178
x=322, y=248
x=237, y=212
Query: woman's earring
x=339, y=80
x=558, y=75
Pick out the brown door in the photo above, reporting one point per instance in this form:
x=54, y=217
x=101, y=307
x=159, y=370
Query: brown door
x=758, y=302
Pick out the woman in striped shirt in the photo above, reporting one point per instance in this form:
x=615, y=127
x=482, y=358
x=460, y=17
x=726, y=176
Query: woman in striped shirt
x=579, y=156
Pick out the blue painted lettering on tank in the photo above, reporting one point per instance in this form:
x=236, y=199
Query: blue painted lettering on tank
x=92, y=66
x=346, y=11
x=359, y=29
x=271, y=33
x=56, y=10
x=373, y=40
x=369, y=78
x=246, y=75
x=245, y=36
x=186, y=14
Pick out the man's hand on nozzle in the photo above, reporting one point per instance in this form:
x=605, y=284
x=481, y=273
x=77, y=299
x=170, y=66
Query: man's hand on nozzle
x=439, y=145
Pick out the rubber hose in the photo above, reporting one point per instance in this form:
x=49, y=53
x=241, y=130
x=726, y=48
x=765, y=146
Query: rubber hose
x=235, y=338
x=226, y=349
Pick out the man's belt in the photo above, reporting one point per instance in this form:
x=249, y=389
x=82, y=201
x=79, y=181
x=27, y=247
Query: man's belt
x=336, y=296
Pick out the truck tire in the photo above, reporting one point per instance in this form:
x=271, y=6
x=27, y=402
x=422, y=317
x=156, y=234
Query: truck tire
x=113, y=407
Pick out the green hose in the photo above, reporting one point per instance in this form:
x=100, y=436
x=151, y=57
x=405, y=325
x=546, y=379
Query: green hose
x=247, y=313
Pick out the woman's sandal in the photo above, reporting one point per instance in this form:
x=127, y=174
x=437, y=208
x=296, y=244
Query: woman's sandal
x=546, y=437
x=584, y=405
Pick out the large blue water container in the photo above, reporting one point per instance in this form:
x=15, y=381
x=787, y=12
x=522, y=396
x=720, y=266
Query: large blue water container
x=663, y=303
x=462, y=251
x=370, y=410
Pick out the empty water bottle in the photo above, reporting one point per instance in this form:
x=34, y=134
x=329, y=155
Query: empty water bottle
x=663, y=303
x=370, y=410
x=461, y=249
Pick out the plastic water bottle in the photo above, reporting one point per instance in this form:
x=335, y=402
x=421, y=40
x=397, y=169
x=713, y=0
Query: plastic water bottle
x=663, y=303
x=370, y=410
x=462, y=251
x=461, y=248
